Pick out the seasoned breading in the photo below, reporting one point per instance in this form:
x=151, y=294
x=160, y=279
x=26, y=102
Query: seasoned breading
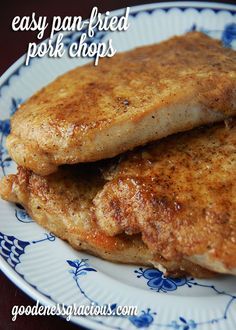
x=62, y=203
x=93, y=113
x=180, y=194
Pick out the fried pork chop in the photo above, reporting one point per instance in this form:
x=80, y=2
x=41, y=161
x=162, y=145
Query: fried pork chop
x=93, y=113
x=62, y=203
x=178, y=195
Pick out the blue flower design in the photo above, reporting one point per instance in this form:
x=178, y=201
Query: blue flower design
x=5, y=126
x=144, y=320
x=229, y=34
x=5, y=163
x=5, y=160
x=158, y=282
x=15, y=103
x=183, y=324
x=81, y=267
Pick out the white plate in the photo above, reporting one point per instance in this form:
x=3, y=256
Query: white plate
x=49, y=270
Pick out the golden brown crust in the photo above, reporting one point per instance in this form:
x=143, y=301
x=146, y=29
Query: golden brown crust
x=180, y=194
x=62, y=203
x=92, y=113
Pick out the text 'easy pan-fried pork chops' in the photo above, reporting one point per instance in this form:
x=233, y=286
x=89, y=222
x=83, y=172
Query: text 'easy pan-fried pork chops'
x=92, y=113
x=171, y=203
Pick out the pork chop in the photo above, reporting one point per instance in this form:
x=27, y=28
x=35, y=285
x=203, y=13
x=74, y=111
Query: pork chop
x=92, y=113
x=180, y=194
x=62, y=203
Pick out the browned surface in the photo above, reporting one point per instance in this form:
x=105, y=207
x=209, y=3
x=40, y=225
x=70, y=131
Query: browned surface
x=180, y=194
x=62, y=203
x=92, y=113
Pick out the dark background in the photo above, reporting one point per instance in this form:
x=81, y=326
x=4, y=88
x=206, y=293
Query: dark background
x=13, y=45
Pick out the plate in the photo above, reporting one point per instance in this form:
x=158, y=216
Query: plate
x=47, y=268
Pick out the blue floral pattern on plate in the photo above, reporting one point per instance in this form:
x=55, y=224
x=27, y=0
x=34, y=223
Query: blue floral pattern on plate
x=154, y=277
x=229, y=34
x=158, y=282
x=144, y=320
